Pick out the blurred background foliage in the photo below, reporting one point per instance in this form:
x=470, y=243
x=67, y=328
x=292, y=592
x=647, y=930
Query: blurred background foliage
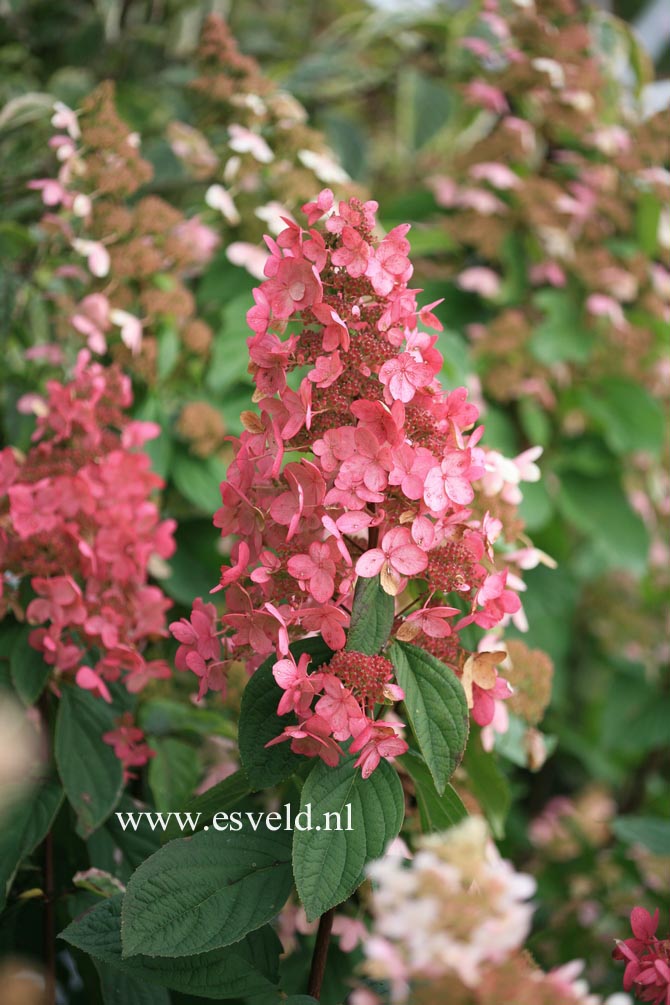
x=384, y=89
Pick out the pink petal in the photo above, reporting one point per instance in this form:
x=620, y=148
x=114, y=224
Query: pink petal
x=370, y=564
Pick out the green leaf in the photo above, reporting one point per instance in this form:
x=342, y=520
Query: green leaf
x=230, y=356
x=24, y=826
x=169, y=347
x=600, y=509
x=652, y=832
x=561, y=336
x=220, y=798
x=371, y=617
x=135, y=846
x=92, y=775
x=159, y=450
x=535, y=422
x=436, y=708
x=247, y=968
x=437, y=812
x=260, y=723
x=536, y=508
x=164, y=716
x=198, y=480
x=489, y=786
x=646, y=222
x=329, y=864
x=119, y=989
x=28, y=670
x=206, y=891
x=628, y=417
x=173, y=772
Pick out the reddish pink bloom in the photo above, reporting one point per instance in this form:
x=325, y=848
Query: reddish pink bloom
x=375, y=741
x=432, y=620
x=295, y=286
x=389, y=265
x=339, y=707
x=317, y=570
x=450, y=482
x=330, y=621
x=403, y=376
x=89, y=680
x=198, y=637
x=326, y=370
x=496, y=600
x=313, y=738
x=386, y=456
x=127, y=739
x=647, y=958
x=315, y=210
x=299, y=687
x=354, y=253
x=397, y=558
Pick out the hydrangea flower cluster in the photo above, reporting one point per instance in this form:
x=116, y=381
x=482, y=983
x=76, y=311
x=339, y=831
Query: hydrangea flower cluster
x=358, y=465
x=647, y=959
x=138, y=253
x=560, y=153
x=79, y=528
x=258, y=168
x=457, y=907
x=449, y=924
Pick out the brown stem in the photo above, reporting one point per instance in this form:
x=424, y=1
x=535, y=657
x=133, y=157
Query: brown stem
x=49, y=928
x=48, y=922
x=320, y=956
x=373, y=533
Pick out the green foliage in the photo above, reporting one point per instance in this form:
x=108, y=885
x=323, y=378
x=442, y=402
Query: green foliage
x=436, y=812
x=223, y=796
x=627, y=415
x=89, y=770
x=599, y=508
x=488, y=784
x=25, y=823
x=206, y=891
x=652, y=833
x=561, y=336
x=28, y=669
x=436, y=709
x=249, y=967
x=173, y=773
x=329, y=863
x=259, y=722
x=371, y=617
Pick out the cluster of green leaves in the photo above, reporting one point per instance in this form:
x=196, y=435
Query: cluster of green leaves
x=197, y=914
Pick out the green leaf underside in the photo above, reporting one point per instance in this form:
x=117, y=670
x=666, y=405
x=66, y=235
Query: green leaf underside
x=24, y=827
x=329, y=865
x=206, y=891
x=436, y=812
x=248, y=967
x=92, y=775
x=371, y=617
x=259, y=722
x=436, y=708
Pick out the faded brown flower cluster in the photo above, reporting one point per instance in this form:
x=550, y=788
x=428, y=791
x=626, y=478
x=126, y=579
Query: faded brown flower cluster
x=250, y=139
x=551, y=174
